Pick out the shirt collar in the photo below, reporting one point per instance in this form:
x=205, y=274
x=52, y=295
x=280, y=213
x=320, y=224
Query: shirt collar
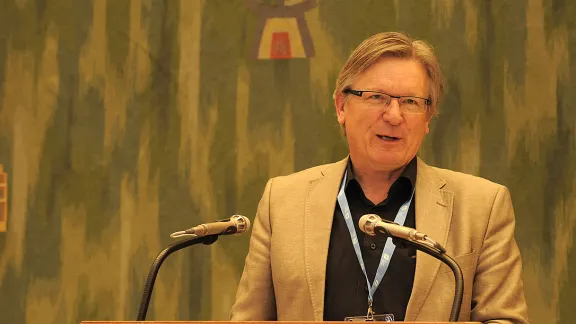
x=409, y=172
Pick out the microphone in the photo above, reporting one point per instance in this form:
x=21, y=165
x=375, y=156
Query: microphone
x=237, y=224
x=203, y=233
x=372, y=224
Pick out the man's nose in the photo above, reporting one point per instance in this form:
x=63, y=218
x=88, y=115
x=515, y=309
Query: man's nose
x=392, y=112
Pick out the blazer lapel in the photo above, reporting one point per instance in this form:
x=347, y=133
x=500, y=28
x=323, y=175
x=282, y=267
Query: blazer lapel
x=433, y=214
x=321, y=196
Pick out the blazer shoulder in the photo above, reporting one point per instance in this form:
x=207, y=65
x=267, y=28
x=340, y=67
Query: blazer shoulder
x=464, y=182
x=310, y=174
x=474, y=196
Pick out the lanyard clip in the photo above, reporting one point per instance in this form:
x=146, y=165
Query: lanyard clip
x=370, y=314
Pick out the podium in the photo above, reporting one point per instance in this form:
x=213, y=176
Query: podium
x=242, y=322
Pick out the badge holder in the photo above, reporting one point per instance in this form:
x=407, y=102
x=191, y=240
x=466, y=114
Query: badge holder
x=371, y=317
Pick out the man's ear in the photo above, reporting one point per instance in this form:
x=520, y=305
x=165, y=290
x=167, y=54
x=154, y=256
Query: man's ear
x=427, y=126
x=339, y=103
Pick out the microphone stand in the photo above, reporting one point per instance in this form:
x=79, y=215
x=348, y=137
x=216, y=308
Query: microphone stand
x=149, y=285
x=440, y=255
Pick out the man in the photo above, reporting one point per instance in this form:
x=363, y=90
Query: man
x=302, y=264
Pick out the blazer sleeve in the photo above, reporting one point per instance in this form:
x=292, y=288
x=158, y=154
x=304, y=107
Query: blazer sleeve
x=498, y=290
x=255, y=299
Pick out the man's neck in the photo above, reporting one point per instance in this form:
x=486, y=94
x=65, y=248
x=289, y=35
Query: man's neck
x=375, y=183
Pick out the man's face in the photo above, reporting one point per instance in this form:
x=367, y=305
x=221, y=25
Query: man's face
x=385, y=138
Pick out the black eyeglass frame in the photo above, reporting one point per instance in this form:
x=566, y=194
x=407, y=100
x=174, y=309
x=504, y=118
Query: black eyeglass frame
x=360, y=92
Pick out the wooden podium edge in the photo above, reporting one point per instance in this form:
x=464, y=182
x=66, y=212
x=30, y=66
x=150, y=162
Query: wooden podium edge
x=248, y=322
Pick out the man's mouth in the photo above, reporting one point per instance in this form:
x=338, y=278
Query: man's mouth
x=388, y=138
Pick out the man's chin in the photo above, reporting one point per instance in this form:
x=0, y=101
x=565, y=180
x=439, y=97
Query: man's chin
x=389, y=161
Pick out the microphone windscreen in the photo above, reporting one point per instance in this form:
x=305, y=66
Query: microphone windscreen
x=368, y=222
x=242, y=223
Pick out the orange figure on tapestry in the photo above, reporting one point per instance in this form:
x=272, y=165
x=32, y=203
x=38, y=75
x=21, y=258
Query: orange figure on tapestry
x=282, y=30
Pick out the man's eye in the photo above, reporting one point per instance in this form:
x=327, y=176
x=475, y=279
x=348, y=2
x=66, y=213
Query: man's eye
x=376, y=96
x=413, y=102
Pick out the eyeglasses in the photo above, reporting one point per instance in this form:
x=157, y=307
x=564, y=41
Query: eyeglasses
x=409, y=104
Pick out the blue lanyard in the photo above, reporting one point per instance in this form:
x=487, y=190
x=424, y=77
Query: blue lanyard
x=389, y=247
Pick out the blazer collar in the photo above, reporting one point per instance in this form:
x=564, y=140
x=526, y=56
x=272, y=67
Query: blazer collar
x=321, y=198
x=433, y=215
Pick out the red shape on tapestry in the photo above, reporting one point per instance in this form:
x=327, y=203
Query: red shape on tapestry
x=280, y=47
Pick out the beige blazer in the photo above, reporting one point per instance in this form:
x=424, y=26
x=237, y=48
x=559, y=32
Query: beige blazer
x=284, y=274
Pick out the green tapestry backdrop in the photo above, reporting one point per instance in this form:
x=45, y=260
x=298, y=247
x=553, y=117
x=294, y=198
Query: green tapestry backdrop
x=123, y=121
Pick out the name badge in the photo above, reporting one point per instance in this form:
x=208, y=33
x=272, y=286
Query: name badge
x=371, y=318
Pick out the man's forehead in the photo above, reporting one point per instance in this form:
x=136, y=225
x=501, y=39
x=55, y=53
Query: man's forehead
x=396, y=76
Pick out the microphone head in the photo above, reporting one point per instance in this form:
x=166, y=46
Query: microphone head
x=367, y=223
x=242, y=224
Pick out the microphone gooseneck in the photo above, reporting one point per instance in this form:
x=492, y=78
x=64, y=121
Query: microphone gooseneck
x=372, y=225
x=155, y=267
x=205, y=234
